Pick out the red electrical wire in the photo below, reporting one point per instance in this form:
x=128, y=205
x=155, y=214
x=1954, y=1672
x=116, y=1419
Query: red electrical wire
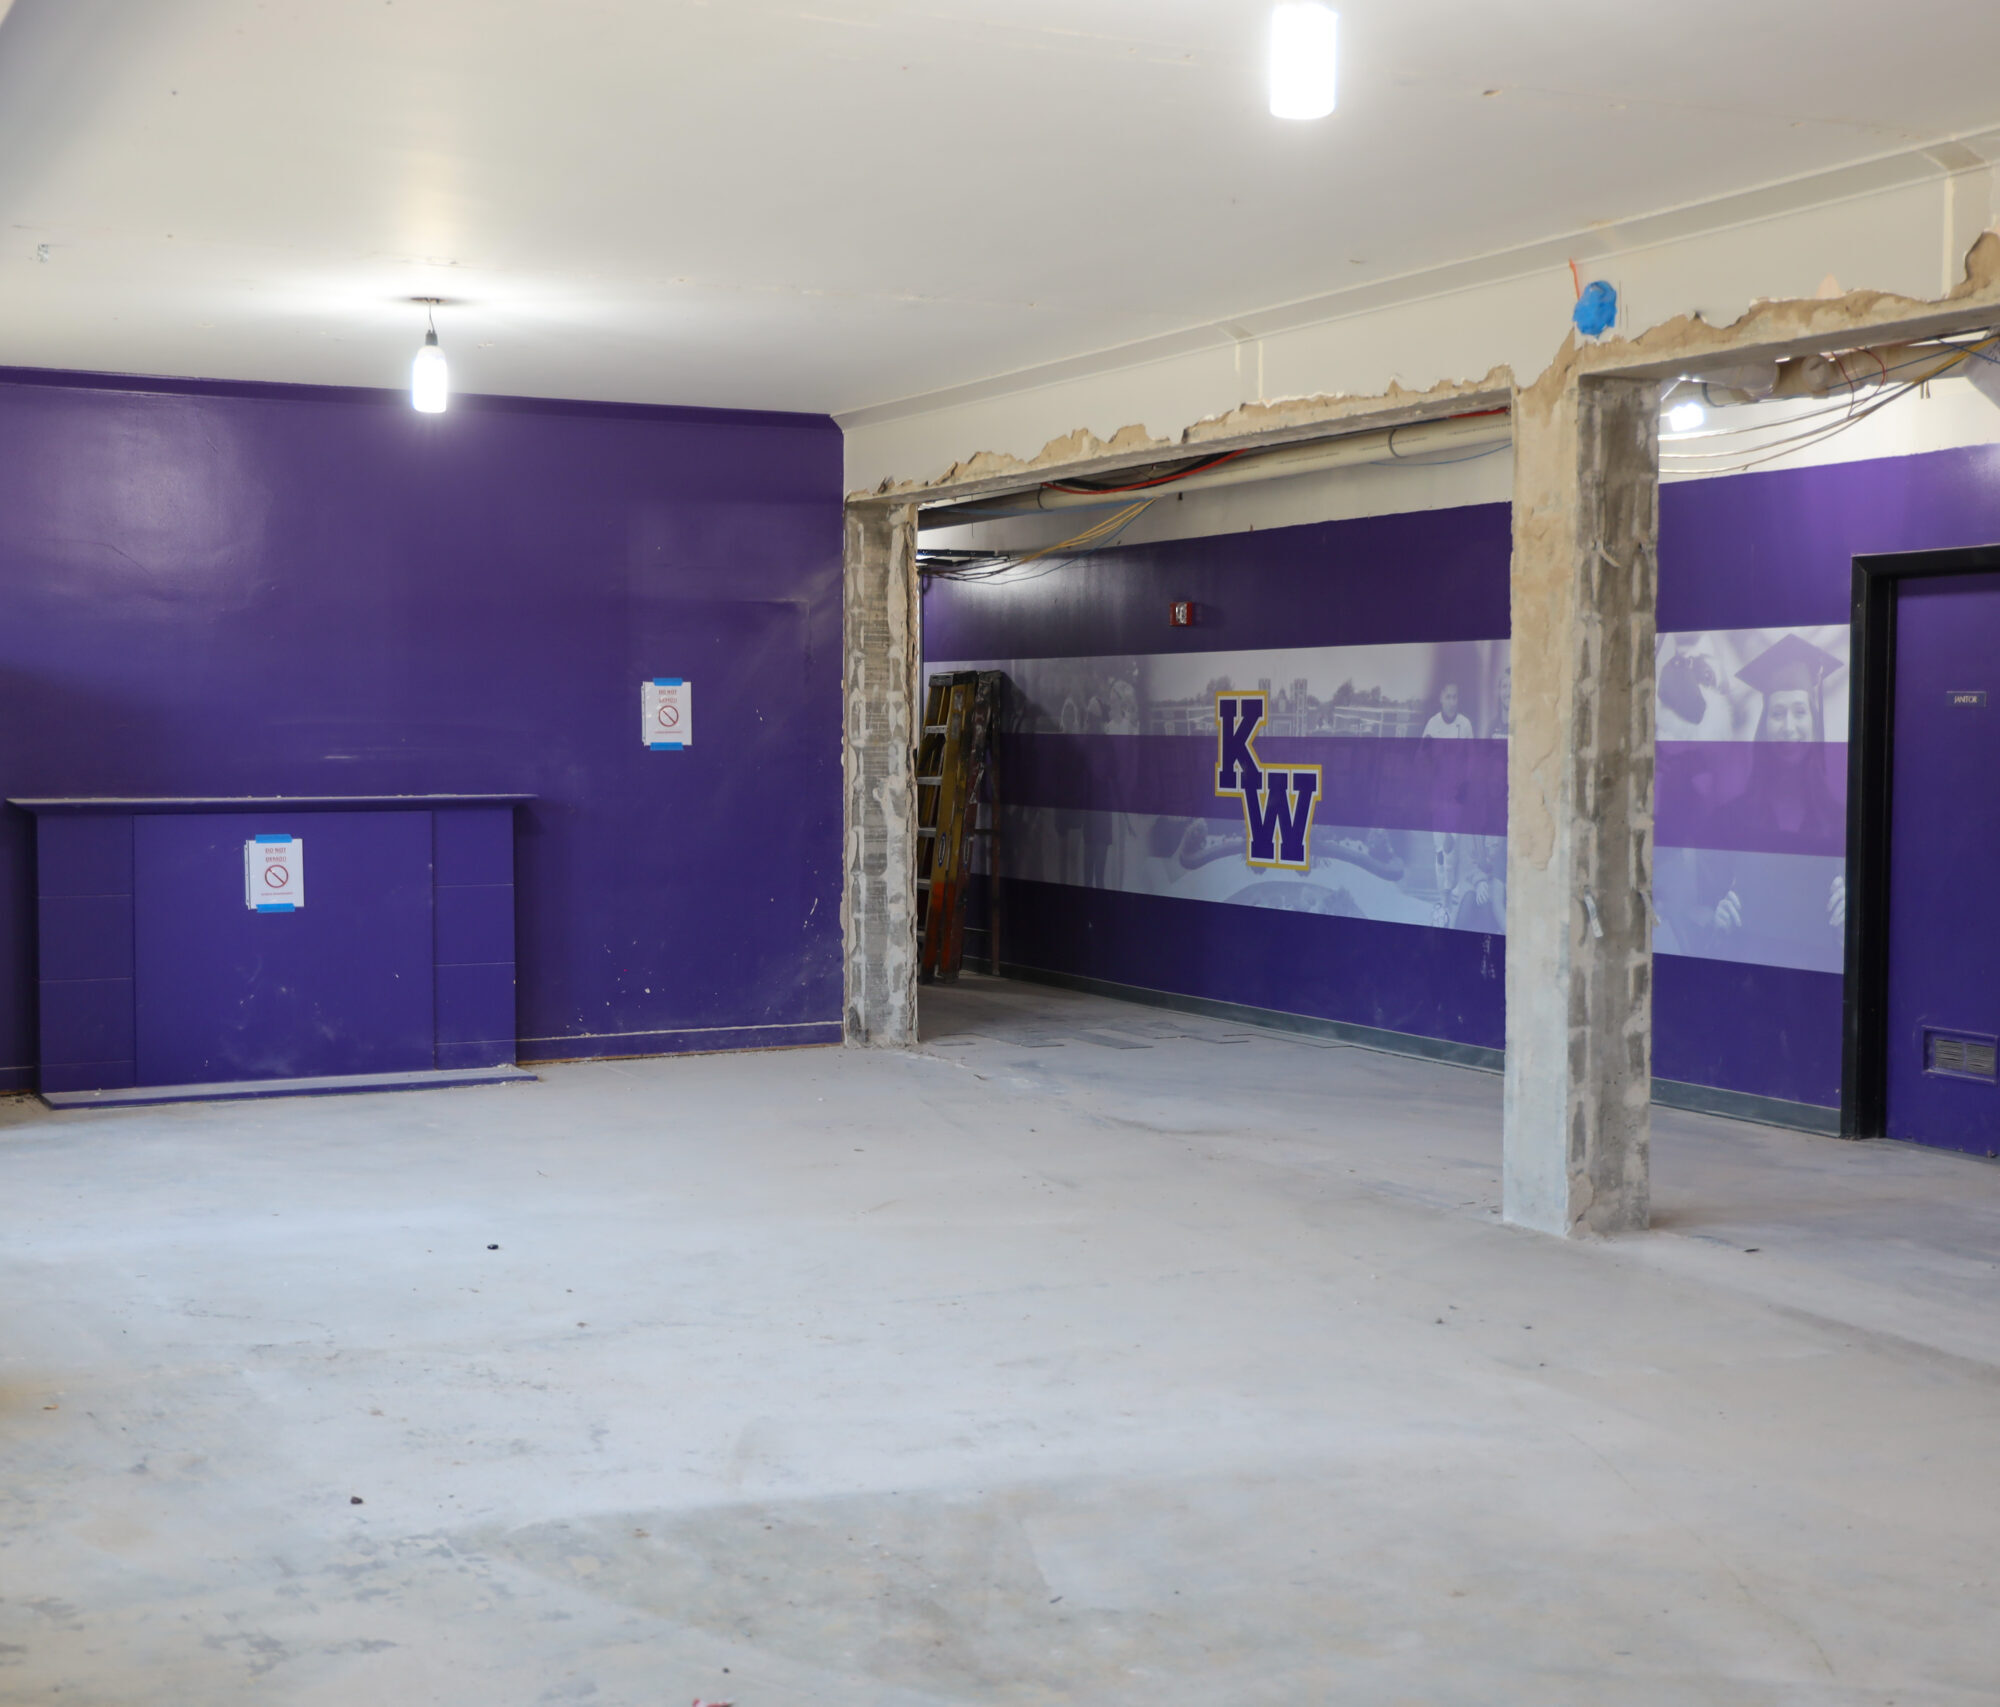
x=1143, y=485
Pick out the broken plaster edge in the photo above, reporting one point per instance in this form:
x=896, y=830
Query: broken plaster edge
x=1770, y=326
x=1780, y=325
x=1267, y=422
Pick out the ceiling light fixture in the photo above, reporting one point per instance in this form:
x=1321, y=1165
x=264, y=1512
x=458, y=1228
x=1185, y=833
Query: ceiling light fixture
x=1304, y=59
x=1685, y=417
x=430, y=380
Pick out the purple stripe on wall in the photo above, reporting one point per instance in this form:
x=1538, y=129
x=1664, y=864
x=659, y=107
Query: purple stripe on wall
x=1710, y=794
x=1776, y=548
x=1406, y=978
x=1394, y=784
x=1767, y=1030
x=1752, y=796
x=1432, y=575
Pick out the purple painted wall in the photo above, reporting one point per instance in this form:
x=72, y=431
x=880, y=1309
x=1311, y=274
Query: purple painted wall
x=1754, y=551
x=1374, y=581
x=1761, y=550
x=217, y=590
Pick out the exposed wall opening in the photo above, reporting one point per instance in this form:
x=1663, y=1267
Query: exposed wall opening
x=1074, y=587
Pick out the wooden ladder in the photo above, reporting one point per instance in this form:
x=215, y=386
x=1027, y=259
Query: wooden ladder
x=954, y=765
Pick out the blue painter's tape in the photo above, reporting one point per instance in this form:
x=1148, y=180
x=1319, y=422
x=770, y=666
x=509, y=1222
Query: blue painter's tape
x=276, y=906
x=1596, y=310
x=667, y=746
x=274, y=838
x=667, y=682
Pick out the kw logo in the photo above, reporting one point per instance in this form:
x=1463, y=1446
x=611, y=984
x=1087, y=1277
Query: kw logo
x=1278, y=800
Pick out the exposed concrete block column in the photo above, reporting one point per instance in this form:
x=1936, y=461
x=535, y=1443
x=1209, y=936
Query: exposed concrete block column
x=1580, y=804
x=878, y=914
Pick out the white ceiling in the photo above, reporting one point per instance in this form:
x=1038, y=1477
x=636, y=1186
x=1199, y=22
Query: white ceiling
x=831, y=204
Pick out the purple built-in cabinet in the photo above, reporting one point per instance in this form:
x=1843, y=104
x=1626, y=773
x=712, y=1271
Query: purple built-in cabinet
x=154, y=975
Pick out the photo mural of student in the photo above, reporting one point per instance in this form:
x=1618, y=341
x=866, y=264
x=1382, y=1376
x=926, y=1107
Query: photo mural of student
x=1071, y=858
x=1761, y=889
x=1451, y=786
x=1448, y=723
x=1789, y=799
x=1089, y=699
x=1694, y=703
x=1476, y=897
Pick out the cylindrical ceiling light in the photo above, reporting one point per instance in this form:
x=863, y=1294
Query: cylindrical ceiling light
x=1304, y=59
x=430, y=379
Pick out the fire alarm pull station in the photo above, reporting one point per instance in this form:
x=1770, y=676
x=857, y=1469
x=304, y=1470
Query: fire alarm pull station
x=1180, y=614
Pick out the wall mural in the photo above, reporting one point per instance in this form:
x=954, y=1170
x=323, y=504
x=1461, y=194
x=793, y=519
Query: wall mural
x=1371, y=782
x=1751, y=796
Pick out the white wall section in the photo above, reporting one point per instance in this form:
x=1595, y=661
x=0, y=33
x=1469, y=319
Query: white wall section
x=1462, y=323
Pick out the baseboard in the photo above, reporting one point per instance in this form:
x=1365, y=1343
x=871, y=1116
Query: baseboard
x=1742, y=1105
x=1667, y=1093
x=694, y=1040
x=241, y=1090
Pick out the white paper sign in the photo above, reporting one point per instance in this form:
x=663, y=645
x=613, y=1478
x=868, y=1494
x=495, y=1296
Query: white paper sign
x=274, y=874
x=666, y=714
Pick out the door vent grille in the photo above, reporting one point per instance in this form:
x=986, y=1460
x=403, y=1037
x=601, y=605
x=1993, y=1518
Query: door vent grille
x=1958, y=1056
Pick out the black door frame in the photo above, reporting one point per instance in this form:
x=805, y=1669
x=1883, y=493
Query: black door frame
x=1871, y=737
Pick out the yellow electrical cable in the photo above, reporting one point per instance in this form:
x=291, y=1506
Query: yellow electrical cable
x=1773, y=450
x=1090, y=535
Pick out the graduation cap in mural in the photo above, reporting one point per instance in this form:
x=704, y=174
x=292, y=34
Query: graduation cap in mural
x=1791, y=663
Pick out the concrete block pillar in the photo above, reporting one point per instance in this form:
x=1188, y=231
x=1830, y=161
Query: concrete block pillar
x=880, y=663
x=1580, y=805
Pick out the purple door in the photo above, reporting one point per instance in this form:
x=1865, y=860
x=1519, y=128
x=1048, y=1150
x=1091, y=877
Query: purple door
x=1944, y=865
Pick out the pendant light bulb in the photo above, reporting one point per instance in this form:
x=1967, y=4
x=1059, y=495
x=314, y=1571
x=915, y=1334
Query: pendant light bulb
x=1305, y=39
x=430, y=379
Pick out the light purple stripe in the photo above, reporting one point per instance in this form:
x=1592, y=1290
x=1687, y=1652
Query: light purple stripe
x=1398, y=784
x=1742, y=796
x=1752, y=796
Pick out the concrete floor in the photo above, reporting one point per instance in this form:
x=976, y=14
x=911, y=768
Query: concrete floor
x=1096, y=1355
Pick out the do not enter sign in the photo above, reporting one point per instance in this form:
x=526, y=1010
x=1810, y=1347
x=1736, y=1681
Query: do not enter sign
x=274, y=874
x=666, y=714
